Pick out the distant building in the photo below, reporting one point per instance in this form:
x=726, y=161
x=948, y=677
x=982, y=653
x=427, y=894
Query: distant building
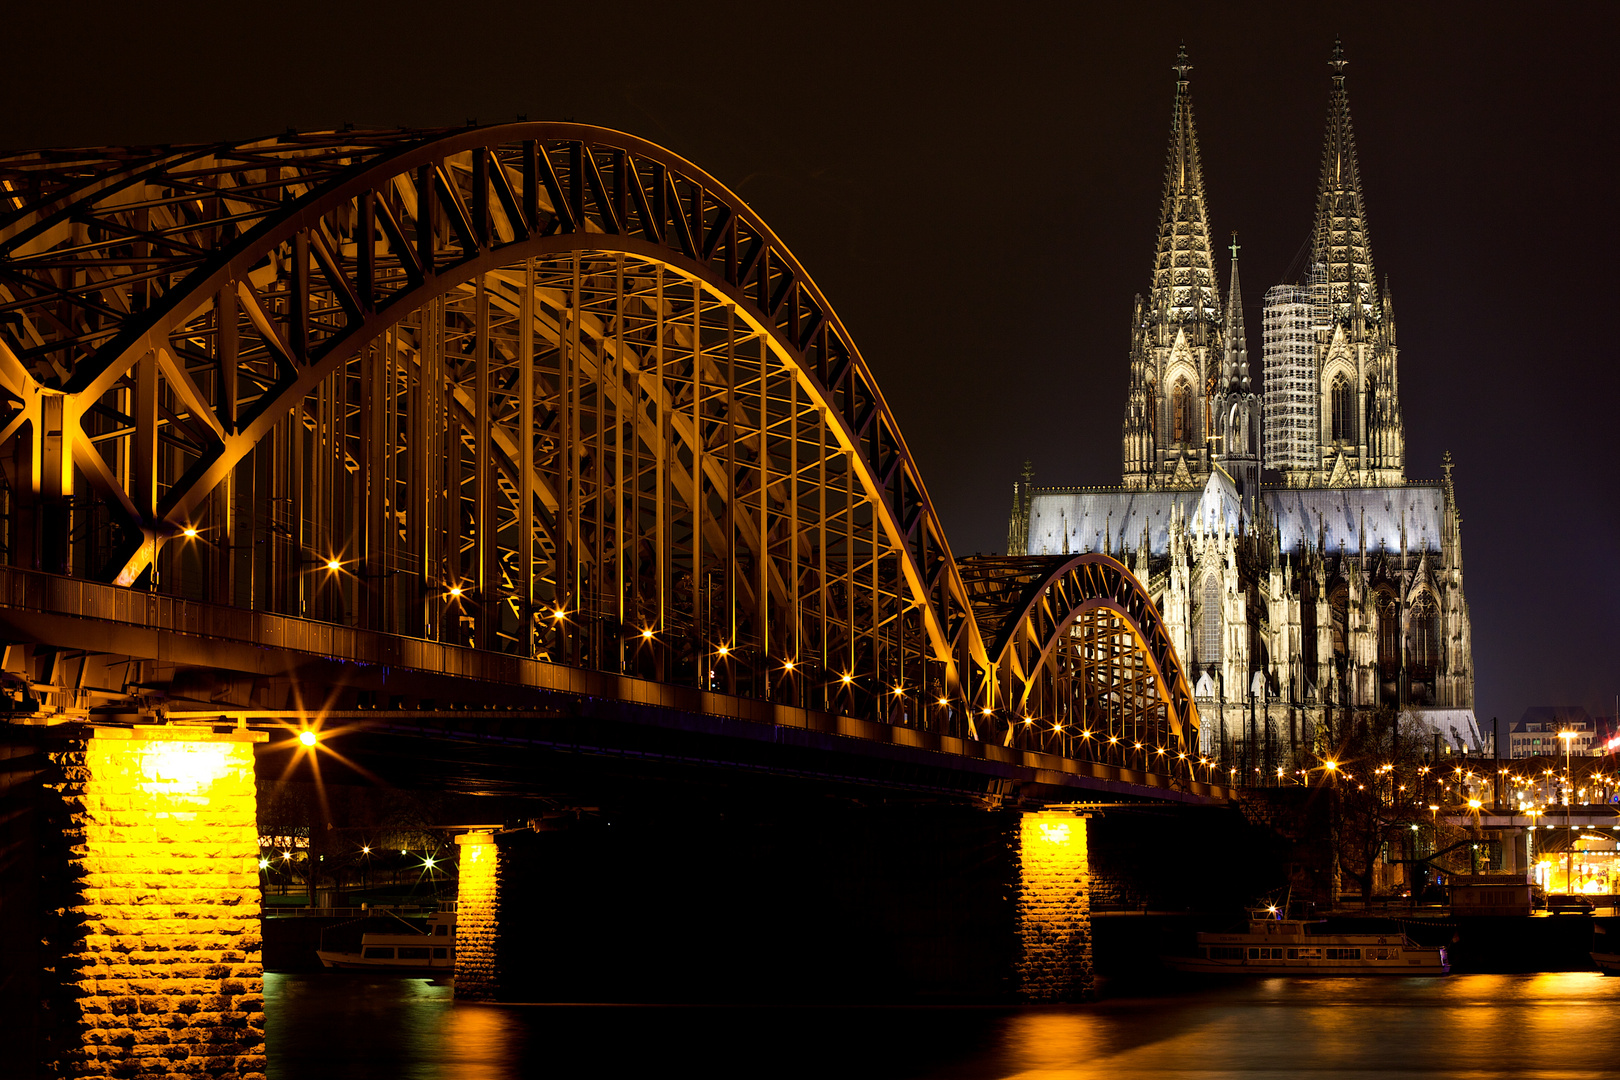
x=1327, y=581
x=1535, y=734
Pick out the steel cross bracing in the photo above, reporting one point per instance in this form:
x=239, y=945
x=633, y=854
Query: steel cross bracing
x=541, y=389
x=1083, y=656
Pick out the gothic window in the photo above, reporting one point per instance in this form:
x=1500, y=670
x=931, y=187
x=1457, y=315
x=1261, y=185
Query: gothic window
x=1389, y=635
x=1209, y=621
x=1153, y=407
x=1181, y=414
x=1423, y=660
x=1344, y=410
x=1339, y=608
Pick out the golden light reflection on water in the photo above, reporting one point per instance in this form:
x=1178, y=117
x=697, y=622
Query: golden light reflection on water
x=481, y=1042
x=1489, y=1027
x=1551, y=1025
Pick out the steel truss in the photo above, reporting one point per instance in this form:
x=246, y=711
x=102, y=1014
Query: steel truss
x=541, y=389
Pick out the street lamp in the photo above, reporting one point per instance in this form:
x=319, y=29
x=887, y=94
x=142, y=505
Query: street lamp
x=1569, y=797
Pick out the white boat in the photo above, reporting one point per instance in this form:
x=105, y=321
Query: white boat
x=1274, y=945
x=405, y=949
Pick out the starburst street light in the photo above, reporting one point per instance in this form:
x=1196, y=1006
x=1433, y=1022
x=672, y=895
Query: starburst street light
x=307, y=737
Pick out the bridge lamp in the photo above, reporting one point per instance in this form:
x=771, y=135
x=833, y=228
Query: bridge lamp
x=846, y=678
x=1028, y=720
x=787, y=665
x=307, y=737
x=334, y=564
x=264, y=864
x=427, y=861
x=723, y=651
x=1159, y=751
x=647, y=634
x=1086, y=734
x=1473, y=804
x=988, y=711
x=943, y=702
x=1057, y=725
x=286, y=856
x=559, y=615
x=455, y=592
x=1330, y=766
x=189, y=532
x=1112, y=739
x=365, y=849
x=1138, y=746
x=899, y=691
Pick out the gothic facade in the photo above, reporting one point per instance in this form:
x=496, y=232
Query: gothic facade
x=1298, y=568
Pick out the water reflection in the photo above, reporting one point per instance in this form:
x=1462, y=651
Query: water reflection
x=359, y=1026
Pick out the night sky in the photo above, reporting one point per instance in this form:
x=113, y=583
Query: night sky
x=976, y=189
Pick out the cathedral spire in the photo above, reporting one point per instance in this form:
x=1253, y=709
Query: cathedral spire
x=1183, y=267
x=1340, y=243
x=1235, y=370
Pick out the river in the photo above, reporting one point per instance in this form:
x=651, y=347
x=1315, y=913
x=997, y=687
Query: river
x=358, y=1026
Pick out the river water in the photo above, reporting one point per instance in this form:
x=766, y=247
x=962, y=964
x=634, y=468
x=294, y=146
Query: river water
x=1528, y=1027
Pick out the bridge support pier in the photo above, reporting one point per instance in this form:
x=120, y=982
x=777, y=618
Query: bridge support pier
x=478, y=919
x=1053, y=888
x=157, y=964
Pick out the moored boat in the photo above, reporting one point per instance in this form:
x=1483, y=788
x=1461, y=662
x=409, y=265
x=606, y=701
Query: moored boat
x=407, y=949
x=1607, y=962
x=1274, y=945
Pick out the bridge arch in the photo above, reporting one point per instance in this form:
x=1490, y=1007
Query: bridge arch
x=537, y=388
x=1079, y=642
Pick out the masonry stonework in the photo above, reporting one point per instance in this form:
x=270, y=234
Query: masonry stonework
x=1054, y=907
x=159, y=963
x=477, y=919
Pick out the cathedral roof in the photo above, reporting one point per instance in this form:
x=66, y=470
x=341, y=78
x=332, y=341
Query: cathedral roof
x=1340, y=245
x=1184, y=284
x=1113, y=519
x=1335, y=517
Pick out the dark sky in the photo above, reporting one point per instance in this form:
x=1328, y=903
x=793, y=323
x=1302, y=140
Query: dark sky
x=976, y=190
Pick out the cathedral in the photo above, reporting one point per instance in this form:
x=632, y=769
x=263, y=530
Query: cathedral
x=1268, y=512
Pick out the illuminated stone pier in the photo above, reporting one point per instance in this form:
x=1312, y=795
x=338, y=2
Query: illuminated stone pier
x=1054, y=907
x=159, y=970
x=477, y=919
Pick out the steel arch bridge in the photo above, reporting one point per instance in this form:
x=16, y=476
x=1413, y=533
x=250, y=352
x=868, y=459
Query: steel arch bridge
x=536, y=389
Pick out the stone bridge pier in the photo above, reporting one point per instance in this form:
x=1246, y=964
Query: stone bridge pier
x=874, y=905
x=129, y=901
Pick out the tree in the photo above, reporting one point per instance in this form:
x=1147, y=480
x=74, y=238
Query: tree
x=1379, y=785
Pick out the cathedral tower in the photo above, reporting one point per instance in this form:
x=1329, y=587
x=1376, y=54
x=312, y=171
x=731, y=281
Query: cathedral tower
x=1176, y=336
x=1360, y=440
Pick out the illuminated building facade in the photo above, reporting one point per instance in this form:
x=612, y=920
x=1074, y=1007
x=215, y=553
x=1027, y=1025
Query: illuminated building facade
x=1329, y=580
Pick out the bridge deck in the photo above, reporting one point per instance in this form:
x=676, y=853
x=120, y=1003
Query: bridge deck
x=222, y=658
